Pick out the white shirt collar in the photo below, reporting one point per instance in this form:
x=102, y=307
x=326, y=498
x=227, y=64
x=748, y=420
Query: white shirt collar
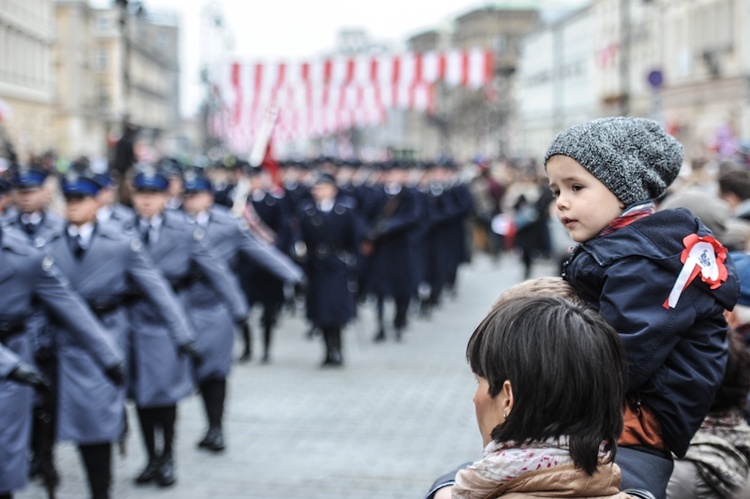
x=32, y=218
x=201, y=218
x=85, y=231
x=392, y=189
x=155, y=221
x=326, y=205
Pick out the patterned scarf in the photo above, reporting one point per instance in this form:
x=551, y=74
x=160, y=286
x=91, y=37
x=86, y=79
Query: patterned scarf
x=503, y=462
x=629, y=216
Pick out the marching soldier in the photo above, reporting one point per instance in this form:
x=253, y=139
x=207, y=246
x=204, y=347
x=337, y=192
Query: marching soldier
x=108, y=269
x=176, y=248
x=393, y=215
x=110, y=210
x=39, y=224
x=32, y=197
x=267, y=216
x=227, y=237
x=331, y=232
x=27, y=276
x=6, y=198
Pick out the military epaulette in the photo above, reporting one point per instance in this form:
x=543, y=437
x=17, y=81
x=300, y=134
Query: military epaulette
x=347, y=202
x=309, y=209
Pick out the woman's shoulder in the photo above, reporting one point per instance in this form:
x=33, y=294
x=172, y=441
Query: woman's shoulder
x=567, y=481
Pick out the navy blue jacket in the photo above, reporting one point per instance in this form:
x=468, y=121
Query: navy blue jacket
x=393, y=221
x=332, y=239
x=676, y=357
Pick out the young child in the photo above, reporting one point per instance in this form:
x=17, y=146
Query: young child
x=660, y=279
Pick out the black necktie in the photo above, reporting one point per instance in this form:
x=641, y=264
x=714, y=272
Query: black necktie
x=29, y=227
x=76, y=243
x=146, y=234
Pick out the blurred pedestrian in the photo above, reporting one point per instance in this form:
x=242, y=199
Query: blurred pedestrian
x=734, y=188
x=717, y=463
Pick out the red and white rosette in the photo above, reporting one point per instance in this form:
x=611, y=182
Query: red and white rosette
x=702, y=255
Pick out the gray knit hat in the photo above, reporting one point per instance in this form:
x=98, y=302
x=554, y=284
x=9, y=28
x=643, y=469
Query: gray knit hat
x=634, y=157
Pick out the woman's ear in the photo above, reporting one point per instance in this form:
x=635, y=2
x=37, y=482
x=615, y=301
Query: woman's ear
x=506, y=401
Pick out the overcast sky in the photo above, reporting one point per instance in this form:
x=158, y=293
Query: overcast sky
x=302, y=29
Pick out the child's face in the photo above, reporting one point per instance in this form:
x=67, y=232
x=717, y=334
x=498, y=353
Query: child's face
x=583, y=204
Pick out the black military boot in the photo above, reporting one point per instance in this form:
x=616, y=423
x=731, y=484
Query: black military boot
x=150, y=472
x=165, y=476
x=247, y=341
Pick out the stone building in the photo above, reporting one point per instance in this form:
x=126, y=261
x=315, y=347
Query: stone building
x=26, y=76
x=105, y=79
x=468, y=122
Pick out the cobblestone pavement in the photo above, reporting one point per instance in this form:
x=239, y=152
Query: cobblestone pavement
x=395, y=417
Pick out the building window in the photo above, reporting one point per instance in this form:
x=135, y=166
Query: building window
x=102, y=59
x=102, y=23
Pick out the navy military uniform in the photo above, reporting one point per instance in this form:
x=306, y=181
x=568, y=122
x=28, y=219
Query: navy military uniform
x=26, y=275
x=268, y=217
x=227, y=237
x=331, y=234
x=393, y=216
x=177, y=249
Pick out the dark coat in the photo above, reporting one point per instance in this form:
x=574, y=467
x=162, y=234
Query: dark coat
x=26, y=276
x=332, y=240
x=462, y=206
x=392, y=220
x=259, y=285
x=676, y=357
x=435, y=257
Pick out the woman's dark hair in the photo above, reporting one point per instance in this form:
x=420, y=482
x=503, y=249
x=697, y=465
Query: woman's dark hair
x=735, y=386
x=567, y=370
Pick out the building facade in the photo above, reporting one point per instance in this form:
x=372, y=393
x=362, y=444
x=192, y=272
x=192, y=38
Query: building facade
x=107, y=76
x=26, y=77
x=556, y=85
x=685, y=63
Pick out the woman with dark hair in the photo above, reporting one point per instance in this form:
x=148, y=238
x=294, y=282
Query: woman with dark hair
x=549, y=416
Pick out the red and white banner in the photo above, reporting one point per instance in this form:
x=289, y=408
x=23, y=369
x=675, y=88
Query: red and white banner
x=325, y=96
